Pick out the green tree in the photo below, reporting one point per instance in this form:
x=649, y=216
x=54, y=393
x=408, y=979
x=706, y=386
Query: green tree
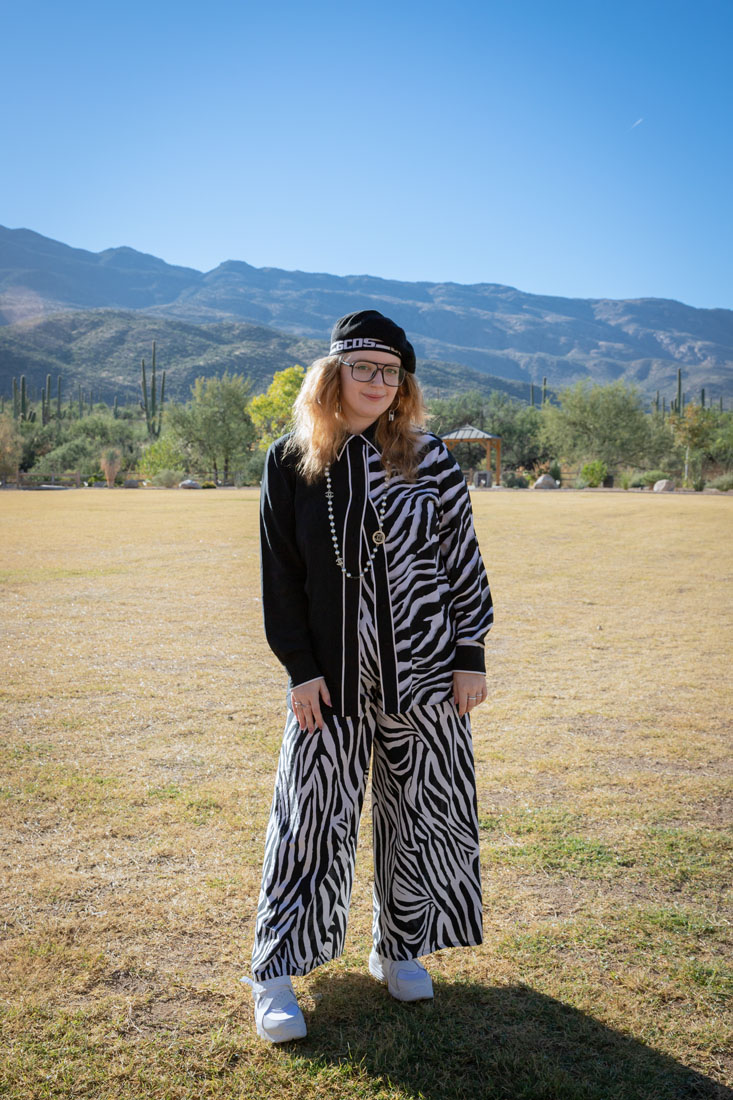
x=721, y=444
x=598, y=422
x=449, y=413
x=696, y=427
x=695, y=430
x=518, y=426
x=215, y=428
x=164, y=454
x=11, y=447
x=75, y=445
x=77, y=454
x=662, y=448
x=271, y=411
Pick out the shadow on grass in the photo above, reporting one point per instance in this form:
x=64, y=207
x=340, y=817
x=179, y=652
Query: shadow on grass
x=484, y=1043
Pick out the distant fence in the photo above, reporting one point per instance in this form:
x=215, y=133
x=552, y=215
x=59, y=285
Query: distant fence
x=74, y=480
x=23, y=480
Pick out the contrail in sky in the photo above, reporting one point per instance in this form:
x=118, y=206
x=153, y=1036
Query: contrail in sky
x=636, y=123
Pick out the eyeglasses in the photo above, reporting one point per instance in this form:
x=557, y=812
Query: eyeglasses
x=364, y=371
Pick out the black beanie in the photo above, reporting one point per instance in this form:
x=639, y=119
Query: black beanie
x=369, y=329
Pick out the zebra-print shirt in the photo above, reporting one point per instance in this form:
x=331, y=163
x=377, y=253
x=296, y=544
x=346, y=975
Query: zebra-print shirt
x=432, y=599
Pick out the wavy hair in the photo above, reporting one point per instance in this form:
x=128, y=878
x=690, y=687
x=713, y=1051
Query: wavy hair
x=319, y=428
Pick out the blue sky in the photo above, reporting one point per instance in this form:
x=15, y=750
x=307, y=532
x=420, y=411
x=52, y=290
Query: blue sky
x=583, y=149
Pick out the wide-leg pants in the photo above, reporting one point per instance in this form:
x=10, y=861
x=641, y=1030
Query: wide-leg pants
x=427, y=887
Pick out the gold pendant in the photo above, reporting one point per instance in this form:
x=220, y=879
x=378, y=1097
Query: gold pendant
x=378, y=538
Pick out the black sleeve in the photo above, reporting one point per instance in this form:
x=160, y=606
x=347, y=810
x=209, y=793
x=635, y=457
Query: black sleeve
x=284, y=600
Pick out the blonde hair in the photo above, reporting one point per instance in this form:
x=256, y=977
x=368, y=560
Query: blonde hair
x=319, y=429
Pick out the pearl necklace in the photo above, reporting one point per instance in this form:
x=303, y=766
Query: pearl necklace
x=378, y=538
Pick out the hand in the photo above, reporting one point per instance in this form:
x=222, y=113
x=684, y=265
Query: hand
x=306, y=703
x=469, y=689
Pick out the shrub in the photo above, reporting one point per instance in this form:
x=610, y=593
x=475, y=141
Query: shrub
x=555, y=471
x=594, y=473
x=512, y=479
x=724, y=483
x=167, y=479
x=208, y=484
x=252, y=469
x=164, y=454
x=625, y=479
x=651, y=477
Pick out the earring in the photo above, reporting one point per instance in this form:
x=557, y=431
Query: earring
x=394, y=409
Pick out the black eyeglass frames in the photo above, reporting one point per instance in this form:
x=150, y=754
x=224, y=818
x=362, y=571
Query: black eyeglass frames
x=364, y=371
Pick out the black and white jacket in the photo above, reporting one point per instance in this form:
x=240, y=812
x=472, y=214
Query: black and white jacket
x=433, y=604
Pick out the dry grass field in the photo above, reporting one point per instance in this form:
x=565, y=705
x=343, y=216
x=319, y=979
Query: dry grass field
x=140, y=720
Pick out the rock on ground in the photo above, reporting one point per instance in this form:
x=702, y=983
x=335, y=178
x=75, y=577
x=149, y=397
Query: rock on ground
x=546, y=481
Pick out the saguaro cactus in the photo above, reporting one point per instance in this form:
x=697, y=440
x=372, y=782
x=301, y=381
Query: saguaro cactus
x=46, y=401
x=26, y=412
x=153, y=405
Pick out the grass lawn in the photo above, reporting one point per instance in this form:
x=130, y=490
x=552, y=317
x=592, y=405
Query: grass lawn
x=140, y=720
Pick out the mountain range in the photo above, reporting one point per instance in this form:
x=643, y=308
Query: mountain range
x=93, y=315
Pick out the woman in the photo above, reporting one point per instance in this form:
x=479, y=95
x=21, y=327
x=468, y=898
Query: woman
x=376, y=602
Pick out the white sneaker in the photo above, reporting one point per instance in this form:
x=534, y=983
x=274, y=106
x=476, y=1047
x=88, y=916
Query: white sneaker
x=277, y=1016
x=407, y=980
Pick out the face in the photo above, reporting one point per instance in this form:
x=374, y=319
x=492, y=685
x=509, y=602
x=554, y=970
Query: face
x=363, y=402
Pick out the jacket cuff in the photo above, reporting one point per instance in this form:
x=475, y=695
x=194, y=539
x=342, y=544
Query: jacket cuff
x=302, y=667
x=470, y=658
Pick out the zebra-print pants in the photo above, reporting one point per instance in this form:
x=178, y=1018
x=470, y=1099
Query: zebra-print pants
x=427, y=882
x=427, y=886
